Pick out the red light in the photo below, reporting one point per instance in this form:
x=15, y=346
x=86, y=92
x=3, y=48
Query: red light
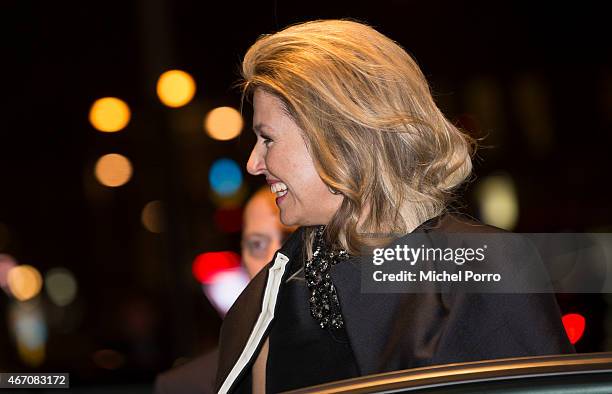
x=574, y=324
x=207, y=265
x=229, y=220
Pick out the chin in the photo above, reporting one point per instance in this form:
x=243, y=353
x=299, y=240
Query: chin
x=289, y=221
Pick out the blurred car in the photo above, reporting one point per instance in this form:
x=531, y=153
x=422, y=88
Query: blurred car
x=586, y=373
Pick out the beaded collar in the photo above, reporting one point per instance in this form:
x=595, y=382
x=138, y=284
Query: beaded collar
x=324, y=305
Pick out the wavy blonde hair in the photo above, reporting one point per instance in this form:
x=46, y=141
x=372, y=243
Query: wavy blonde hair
x=370, y=123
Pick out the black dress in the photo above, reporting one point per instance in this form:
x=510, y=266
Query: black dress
x=297, y=340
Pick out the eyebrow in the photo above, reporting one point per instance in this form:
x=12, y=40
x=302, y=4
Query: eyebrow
x=258, y=128
x=257, y=235
x=246, y=237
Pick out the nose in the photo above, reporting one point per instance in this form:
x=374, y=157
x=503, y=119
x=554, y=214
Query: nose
x=256, y=164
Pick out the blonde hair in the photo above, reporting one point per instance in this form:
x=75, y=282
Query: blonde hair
x=370, y=123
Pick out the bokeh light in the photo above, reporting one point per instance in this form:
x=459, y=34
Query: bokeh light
x=113, y=170
x=235, y=200
x=6, y=264
x=175, y=88
x=574, y=324
x=498, y=202
x=109, y=114
x=227, y=285
x=33, y=357
x=27, y=322
x=153, y=216
x=225, y=177
x=229, y=219
x=223, y=123
x=61, y=286
x=24, y=282
x=207, y=265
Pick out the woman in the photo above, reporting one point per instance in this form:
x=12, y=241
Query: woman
x=352, y=143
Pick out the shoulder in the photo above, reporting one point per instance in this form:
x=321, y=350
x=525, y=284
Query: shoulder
x=504, y=247
x=453, y=222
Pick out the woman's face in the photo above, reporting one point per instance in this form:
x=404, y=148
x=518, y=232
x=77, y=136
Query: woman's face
x=281, y=155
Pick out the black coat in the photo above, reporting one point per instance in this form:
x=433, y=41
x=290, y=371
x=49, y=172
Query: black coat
x=397, y=331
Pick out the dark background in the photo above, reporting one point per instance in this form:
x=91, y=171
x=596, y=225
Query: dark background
x=535, y=80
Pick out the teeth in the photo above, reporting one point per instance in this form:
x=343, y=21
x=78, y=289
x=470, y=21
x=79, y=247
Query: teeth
x=278, y=187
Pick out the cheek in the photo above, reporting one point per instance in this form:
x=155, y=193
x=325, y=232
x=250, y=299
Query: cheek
x=274, y=161
x=285, y=166
x=313, y=182
x=276, y=244
x=295, y=167
x=253, y=264
x=304, y=168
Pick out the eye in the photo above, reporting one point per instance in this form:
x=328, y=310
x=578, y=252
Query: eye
x=257, y=246
x=266, y=139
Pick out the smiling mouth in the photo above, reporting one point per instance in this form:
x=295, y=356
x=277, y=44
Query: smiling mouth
x=279, y=188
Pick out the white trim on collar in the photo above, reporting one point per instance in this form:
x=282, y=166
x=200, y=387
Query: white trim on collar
x=275, y=274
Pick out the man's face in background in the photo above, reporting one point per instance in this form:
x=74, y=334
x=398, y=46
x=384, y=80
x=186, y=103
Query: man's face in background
x=262, y=232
